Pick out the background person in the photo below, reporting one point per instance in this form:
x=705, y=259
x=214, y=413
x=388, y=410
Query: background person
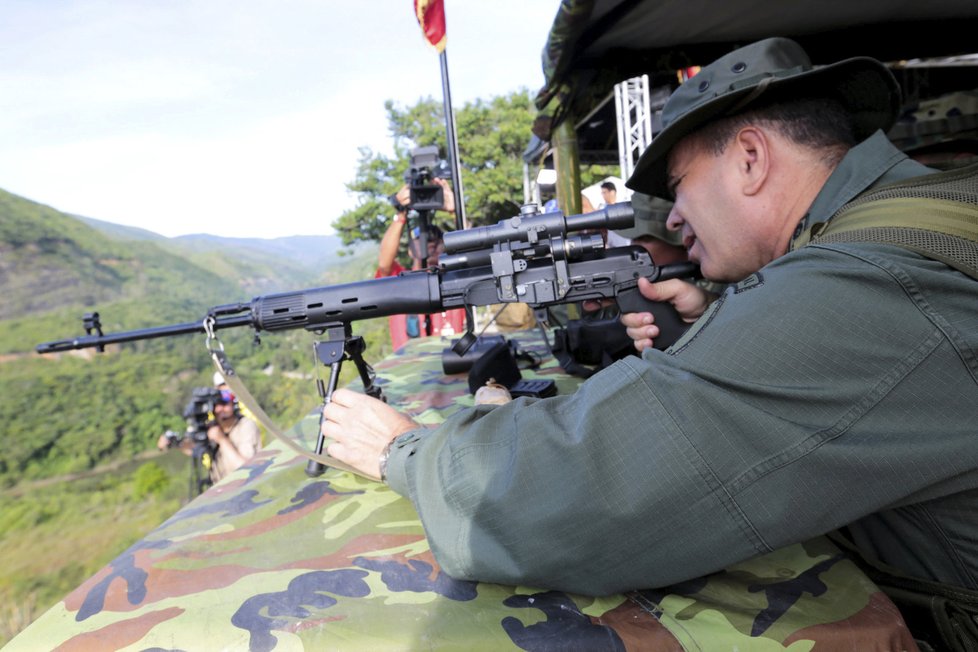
x=650, y=231
x=221, y=384
x=609, y=194
x=236, y=437
x=405, y=327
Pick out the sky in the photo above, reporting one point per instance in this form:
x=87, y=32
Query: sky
x=232, y=117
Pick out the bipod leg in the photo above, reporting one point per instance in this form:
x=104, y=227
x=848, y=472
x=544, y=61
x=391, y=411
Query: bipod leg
x=355, y=346
x=332, y=354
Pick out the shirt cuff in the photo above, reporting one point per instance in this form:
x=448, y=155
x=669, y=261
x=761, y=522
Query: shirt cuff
x=402, y=449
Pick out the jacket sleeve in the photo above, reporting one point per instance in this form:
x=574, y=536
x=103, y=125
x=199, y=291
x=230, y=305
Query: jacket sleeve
x=783, y=414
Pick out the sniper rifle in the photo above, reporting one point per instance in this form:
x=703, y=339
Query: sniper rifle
x=538, y=259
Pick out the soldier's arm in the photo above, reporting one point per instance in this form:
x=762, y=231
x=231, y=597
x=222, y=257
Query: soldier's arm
x=391, y=241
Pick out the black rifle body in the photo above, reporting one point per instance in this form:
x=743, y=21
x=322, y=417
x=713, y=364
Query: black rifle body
x=544, y=271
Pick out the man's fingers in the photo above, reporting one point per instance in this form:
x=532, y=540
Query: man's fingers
x=333, y=430
x=636, y=319
x=363, y=417
x=349, y=398
x=642, y=332
x=688, y=299
x=641, y=345
x=661, y=291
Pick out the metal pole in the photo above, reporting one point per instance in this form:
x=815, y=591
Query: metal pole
x=567, y=163
x=460, y=221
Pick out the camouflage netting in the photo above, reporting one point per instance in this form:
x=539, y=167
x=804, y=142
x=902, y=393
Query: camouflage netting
x=269, y=559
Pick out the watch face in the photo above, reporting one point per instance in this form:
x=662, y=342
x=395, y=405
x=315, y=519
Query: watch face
x=384, y=456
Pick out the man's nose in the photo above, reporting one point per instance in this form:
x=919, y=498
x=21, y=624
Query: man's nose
x=674, y=222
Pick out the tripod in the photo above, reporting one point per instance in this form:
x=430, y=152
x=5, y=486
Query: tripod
x=201, y=459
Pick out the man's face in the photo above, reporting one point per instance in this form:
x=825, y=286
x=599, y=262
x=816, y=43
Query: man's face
x=608, y=195
x=223, y=411
x=224, y=408
x=435, y=248
x=725, y=230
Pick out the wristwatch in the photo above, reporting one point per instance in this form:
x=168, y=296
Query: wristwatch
x=384, y=457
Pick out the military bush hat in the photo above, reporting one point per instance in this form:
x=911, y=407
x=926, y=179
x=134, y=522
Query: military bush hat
x=651, y=214
x=735, y=81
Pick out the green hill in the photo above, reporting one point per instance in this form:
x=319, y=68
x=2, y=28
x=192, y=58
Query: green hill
x=70, y=412
x=257, y=266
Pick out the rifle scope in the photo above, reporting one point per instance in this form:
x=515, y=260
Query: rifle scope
x=534, y=227
x=571, y=248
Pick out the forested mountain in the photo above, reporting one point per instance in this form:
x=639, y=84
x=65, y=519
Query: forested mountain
x=70, y=412
x=49, y=260
x=257, y=265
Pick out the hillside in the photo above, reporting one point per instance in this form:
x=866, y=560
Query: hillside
x=69, y=412
x=49, y=261
x=256, y=265
x=54, y=267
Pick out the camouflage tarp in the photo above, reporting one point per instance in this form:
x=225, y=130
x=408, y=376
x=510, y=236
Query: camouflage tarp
x=270, y=559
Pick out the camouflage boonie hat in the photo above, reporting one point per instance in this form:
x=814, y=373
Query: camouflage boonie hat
x=651, y=214
x=735, y=81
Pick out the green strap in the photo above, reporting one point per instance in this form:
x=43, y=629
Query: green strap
x=935, y=216
x=948, y=217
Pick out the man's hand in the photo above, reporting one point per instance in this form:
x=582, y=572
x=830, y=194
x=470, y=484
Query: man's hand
x=403, y=196
x=361, y=427
x=689, y=300
x=448, y=203
x=216, y=435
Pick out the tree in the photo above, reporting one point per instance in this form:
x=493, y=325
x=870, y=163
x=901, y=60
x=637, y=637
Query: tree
x=492, y=135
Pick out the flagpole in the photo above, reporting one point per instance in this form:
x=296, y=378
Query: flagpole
x=460, y=221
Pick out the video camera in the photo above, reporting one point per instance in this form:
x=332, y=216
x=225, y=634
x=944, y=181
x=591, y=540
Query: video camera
x=199, y=412
x=426, y=195
x=199, y=415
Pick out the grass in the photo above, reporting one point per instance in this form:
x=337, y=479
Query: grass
x=55, y=535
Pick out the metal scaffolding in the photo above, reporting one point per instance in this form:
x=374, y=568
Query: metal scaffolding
x=634, y=113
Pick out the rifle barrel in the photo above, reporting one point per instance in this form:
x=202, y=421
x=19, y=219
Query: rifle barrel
x=90, y=341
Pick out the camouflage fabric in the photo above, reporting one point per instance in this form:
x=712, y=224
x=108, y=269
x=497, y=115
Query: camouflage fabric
x=269, y=559
x=572, y=17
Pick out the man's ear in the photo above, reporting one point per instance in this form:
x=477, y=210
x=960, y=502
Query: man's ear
x=753, y=152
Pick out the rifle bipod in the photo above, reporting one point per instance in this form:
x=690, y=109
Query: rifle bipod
x=340, y=345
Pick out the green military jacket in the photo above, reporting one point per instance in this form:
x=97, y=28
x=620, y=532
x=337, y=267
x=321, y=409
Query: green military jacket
x=835, y=386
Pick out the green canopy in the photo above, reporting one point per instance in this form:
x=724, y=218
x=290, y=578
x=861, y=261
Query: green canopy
x=596, y=43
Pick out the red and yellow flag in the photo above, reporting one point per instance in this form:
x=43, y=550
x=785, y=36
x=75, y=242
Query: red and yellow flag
x=431, y=17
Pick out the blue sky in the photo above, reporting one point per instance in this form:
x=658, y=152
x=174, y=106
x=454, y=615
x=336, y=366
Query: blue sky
x=230, y=117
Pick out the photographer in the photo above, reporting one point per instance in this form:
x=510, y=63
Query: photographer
x=403, y=327
x=233, y=438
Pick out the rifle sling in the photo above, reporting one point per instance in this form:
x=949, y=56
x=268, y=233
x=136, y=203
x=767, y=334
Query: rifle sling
x=238, y=387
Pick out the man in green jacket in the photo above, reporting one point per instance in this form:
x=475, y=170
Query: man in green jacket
x=833, y=385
